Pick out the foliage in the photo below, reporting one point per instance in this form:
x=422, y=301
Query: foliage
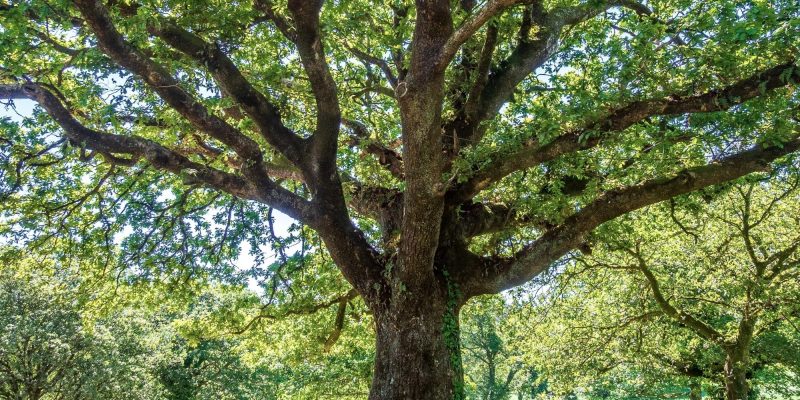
x=718, y=261
x=48, y=351
x=377, y=164
x=493, y=346
x=58, y=345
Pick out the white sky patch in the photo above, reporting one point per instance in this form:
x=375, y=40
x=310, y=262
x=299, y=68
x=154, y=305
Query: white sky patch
x=21, y=109
x=247, y=261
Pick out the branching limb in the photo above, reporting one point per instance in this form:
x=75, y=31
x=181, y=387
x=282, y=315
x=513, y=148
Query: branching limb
x=553, y=244
x=347, y=245
x=124, y=54
x=534, y=153
x=234, y=85
x=399, y=14
x=433, y=27
x=312, y=54
x=357, y=259
x=468, y=29
x=482, y=218
x=682, y=317
x=481, y=72
x=531, y=54
x=283, y=25
x=339, y=321
x=387, y=157
x=350, y=295
x=115, y=46
x=133, y=146
x=58, y=46
x=378, y=62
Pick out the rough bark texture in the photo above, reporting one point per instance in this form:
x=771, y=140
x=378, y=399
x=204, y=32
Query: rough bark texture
x=735, y=370
x=417, y=352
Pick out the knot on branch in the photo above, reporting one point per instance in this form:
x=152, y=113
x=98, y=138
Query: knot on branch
x=401, y=90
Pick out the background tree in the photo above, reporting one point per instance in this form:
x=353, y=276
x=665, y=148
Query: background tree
x=37, y=361
x=706, y=293
x=60, y=343
x=439, y=150
x=493, y=348
x=212, y=369
x=309, y=348
x=47, y=350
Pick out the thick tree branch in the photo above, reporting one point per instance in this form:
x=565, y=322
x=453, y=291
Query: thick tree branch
x=115, y=46
x=534, y=153
x=470, y=26
x=13, y=92
x=136, y=147
x=357, y=259
x=254, y=170
x=420, y=97
x=481, y=72
x=500, y=217
x=553, y=244
x=387, y=157
x=312, y=54
x=234, y=85
x=433, y=27
x=531, y=54
x=284, y=26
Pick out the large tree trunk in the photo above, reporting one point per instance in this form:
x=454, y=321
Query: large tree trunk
x=736, y=387
x=418, y=353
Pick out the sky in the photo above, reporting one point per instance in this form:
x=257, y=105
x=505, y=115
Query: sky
x=22, y=108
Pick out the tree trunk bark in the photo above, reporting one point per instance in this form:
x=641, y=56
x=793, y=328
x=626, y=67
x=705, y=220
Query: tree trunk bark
x=736, y=387
x=695, y=391
x=418, y=353
x=492, y=377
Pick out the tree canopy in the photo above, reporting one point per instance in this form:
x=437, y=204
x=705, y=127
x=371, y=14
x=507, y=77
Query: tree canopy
x=426, y=152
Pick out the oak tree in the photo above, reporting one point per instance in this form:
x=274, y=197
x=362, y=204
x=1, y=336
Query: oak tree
x=439, y=150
